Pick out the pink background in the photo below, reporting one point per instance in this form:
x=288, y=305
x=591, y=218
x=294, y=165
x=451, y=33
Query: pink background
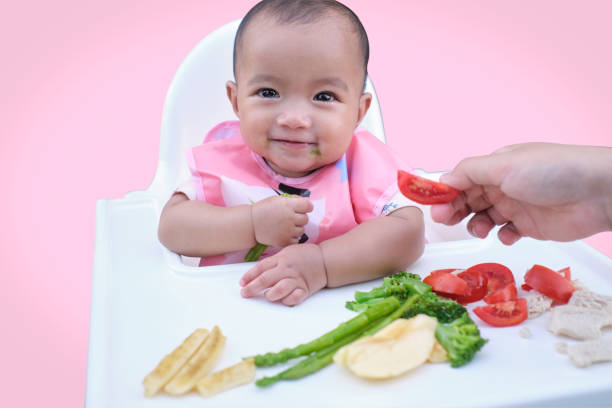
x=82, y=90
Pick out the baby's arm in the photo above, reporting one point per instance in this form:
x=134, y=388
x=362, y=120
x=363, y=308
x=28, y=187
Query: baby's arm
x=196, y=228
x=373, y=249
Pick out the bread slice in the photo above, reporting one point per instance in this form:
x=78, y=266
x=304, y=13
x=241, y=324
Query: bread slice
x=173, y=362
x=198, y=365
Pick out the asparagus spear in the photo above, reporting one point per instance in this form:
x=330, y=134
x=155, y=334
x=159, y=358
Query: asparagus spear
x=324, y=357
x=255, y=253
x=258, y=249
x=315, y=361
x=333, y=337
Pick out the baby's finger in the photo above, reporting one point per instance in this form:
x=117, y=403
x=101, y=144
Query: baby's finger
x=297, y=296
x=300, y=219
x=282, y=288
x=260, y=267
x=302, y=205
x=265, y=280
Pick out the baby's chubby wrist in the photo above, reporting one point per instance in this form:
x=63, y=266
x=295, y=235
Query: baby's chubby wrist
x=252, y=226
x=316, y=277
x=322, y=253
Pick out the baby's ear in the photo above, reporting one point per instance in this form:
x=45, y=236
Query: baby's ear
x=232, y=95
x=364, y=104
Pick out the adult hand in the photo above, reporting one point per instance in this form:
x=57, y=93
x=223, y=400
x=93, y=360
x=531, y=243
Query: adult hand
x=539, y=190
x=279, y=221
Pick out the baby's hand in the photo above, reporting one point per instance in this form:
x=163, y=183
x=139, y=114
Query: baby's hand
x=290, y=276
x=279, y=221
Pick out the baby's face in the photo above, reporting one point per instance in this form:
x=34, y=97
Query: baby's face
x=298, y=92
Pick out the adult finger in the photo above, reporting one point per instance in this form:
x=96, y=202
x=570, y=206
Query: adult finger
x=254, y=272
x=476, y=199
x=281, y=289
x=442, y=213
x=297, y=296
x=508, y=234
x=480, y=225
x=477, y=170
x=496, y=216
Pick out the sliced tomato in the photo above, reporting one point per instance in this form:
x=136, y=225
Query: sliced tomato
x=440, y=271
x=504, y=294
x=503, y=314
x=477, y=287
x=566, y=272
x=446, y=283
x=549, y=283
x=497, y=274
x=526, y=287
x=424, y=191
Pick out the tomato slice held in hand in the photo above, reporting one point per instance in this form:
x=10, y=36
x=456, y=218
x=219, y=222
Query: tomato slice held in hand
x=446, y=283
x=504, y=294
x=503, y=314
x=477, y=287
x=549, y=283
x=424, y=191
x=497, y=274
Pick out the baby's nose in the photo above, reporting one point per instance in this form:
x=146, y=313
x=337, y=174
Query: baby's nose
x=294, y=119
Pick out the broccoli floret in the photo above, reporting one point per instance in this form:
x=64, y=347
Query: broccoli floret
x=443, y=309
x=401, y=285
x=461, y=339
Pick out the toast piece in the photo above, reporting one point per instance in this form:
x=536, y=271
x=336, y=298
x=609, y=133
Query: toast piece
x=198, y=365
x=173, y=362
x=230, y=377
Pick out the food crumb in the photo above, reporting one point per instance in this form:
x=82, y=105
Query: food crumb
x=525, y=333
x=561, y=347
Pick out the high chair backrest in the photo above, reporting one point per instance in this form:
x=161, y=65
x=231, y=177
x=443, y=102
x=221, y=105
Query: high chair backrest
x=197, y=100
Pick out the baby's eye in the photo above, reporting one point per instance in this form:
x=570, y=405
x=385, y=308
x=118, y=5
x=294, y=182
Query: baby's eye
x=267, y=93
x=325, y=97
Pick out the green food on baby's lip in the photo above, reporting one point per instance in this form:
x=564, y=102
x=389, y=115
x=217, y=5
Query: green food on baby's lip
x=315, y=151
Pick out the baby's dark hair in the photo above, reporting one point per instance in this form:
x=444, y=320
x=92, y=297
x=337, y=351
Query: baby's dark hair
x=303, y=12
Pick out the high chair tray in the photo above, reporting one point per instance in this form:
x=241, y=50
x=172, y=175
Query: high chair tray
x=144, y=303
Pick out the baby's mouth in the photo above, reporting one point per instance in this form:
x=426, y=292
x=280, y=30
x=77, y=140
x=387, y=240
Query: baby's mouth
x=295, y=144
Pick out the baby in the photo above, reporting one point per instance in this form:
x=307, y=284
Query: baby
x=300, y=68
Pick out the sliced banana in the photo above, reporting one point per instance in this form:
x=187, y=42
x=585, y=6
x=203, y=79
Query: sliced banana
x=394, y=350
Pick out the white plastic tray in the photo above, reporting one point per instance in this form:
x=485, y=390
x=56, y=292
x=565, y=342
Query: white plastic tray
x=144, y=303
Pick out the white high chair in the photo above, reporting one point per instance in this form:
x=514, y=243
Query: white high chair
x=145, y=300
